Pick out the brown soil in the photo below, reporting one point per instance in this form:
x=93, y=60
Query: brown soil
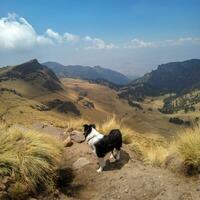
x=127, y=179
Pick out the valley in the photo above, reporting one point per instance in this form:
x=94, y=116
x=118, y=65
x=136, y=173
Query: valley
x=33, y=98
x=86, y=100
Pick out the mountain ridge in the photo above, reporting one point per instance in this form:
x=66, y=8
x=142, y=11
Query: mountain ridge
x=87, y=72
x=173, y=77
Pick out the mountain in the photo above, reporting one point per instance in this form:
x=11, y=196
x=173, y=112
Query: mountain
x=174, y=77
x=33, y=73
x=87, y=73
x=132, y=77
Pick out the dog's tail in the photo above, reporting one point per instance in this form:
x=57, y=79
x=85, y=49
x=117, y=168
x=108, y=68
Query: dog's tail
x=116, y=138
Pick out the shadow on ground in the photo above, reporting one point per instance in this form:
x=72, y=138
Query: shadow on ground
x=65, y=177
x=117, y=165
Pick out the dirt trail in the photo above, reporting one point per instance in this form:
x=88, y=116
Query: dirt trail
x=127, y=179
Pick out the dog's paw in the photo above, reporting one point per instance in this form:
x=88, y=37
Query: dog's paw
x=111, y=156
x=99, y=170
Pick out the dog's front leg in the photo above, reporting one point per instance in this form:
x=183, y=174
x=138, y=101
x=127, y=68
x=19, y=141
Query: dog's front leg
x=101, y=164
x=93, y=149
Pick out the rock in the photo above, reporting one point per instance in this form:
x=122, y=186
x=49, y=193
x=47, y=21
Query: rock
x=68, y=142
x=56, y=193
x=81, y=162
x=77, y=136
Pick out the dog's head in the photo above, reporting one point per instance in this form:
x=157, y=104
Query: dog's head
x=88, y=129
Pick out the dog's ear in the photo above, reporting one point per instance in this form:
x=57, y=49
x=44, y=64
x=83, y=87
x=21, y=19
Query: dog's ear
x=93, y=126
x=85, y=126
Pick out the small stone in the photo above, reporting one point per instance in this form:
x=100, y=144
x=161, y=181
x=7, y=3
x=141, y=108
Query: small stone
x=77, y=136
x=81, y=162
x=68, y=142
x=126, y=190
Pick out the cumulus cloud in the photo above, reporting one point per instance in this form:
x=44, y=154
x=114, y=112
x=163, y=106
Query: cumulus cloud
x=16, y=33
x=96, y=43
x=70, y=37
x=66, y=37
x=138, y=43
x=53, y=35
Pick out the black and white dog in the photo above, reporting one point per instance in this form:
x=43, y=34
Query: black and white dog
x=103, y=144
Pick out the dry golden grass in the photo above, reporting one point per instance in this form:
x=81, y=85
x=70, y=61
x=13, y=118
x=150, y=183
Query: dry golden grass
x=29, y=158
x=72, y=123
x=155, y=156
x=188, y=146
x=149, y=150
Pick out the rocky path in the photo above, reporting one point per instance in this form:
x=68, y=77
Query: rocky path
x=127, y=179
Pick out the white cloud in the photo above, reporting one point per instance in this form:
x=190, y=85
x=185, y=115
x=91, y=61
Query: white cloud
x=66, y=37
x=70, y=37
x=17, y=34
x=53, y=35
x=96, y=43
x=137, y=43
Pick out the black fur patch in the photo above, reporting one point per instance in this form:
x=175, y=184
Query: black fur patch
x=108, y=143
x=88, y=129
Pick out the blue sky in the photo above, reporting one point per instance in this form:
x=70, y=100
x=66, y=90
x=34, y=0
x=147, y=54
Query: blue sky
x=131, y=36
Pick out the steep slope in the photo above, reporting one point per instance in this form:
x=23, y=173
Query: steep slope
x=175, y=77
x=88, y=73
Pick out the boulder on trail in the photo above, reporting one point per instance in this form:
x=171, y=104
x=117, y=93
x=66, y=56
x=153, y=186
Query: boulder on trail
x=77, y=136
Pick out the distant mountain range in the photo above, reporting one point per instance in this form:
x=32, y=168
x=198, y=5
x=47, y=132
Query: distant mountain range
x=88, y=73
x=174, y=77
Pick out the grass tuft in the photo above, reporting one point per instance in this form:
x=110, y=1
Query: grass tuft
x=188, y=147
x=29, y=158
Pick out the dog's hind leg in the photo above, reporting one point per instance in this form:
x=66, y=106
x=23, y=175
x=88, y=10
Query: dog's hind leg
x=117, y=154
x=112, y=155
x=101, y=164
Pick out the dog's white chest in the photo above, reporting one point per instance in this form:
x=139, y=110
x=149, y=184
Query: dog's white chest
x=94, y=137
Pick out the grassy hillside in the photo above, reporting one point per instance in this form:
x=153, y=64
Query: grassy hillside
x=26, y=99
x=88, y=98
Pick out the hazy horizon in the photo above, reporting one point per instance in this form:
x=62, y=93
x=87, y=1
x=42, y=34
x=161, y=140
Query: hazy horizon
x=132, y=37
